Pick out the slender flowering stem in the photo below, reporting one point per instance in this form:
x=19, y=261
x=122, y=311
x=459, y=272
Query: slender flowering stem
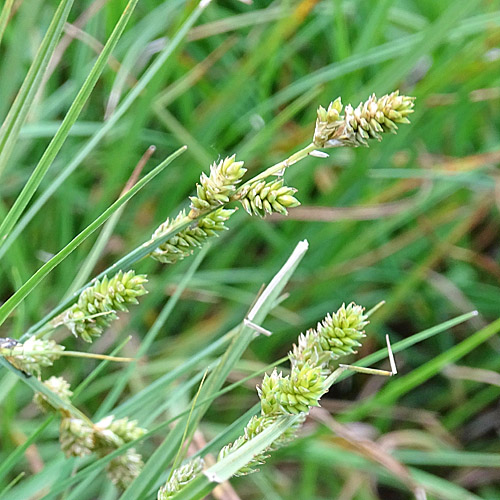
x=276, y=169
x=90, y=355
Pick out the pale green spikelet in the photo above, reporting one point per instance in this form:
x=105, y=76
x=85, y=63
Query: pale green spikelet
x=261, y=198
x=33, y=355
x=309, y=349
x=111, y=433
x=180, y=478
x=182, y=245
x=218, y=187
x=76, y=437
x=127, y=429
x=367, y=121
x=122, y=470
x=301, y=390
x=254, y=427
x=337, y=335
x=268, y=391
x=341, y=332
x=57, y=385
x=327, y=123
x=98, y=304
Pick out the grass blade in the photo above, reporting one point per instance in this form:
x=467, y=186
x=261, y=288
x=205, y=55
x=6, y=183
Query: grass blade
x=35, y=280
x=58, y=140
x=24, y=99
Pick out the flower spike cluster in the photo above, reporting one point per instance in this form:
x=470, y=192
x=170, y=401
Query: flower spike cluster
x=182, y=245
x=295, y=394
x=98, y=304
x=79, y=437
x=368, y=120
x=261, y=198
x=217, y=188
x=59, y=386
x=32, y=355
x=180, y=478
x=266, y=193
x=337, y=335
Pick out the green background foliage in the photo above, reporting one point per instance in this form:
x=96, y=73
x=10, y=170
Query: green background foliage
x=412, y=220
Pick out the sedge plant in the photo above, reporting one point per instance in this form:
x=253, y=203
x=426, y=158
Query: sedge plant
x=112, y=439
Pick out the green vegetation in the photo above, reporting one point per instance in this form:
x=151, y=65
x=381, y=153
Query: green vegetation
x=98, y=99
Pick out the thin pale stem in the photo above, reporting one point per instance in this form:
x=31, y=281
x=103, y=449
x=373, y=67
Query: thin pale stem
x=277, y=168
x=75, y=354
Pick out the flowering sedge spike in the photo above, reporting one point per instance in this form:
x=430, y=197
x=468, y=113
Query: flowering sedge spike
x=122, y=470
x=301, y=390
x=76, y=437
x=261, y=198
x=184, y=242
x=98, y=304
x=218, y=187
x=367, y=121
x=111, y=433
x=339, y=334
x=33, y=355
x=254, y=427
x=268, y=393
x=180, y=478
x=57, y=385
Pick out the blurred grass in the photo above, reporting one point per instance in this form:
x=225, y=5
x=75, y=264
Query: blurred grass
x=412, y=220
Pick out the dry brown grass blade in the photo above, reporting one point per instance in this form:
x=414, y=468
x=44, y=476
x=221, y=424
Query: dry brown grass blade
x=368, y=449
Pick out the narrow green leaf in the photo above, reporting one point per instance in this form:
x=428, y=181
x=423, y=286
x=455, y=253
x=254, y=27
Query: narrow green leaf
x=35, y=280
x=4, y=17
x=24, y=99
x=402, y=385
x=58, y=140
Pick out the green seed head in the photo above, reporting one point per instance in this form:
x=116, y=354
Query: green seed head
x=337, y=335
x=180, y=478
x=367, y=121
x=59, y=386
x=122, y=470
x=98, y=304
x=218, y=187
x=76, y=437
x=261, y=198
x=34, y=355
x=301, y=390
x=184, y=242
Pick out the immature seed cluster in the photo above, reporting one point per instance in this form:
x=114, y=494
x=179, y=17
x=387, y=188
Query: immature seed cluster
x=79, y=437
x=180, y=477
x=98, y=304
x=57, y=385
x=217, y=188
x=357, y=125
x=76, y=437
x=261, y=198
x=337, y=335
x=182, y=245
x=33, y=355
x=122, y=470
